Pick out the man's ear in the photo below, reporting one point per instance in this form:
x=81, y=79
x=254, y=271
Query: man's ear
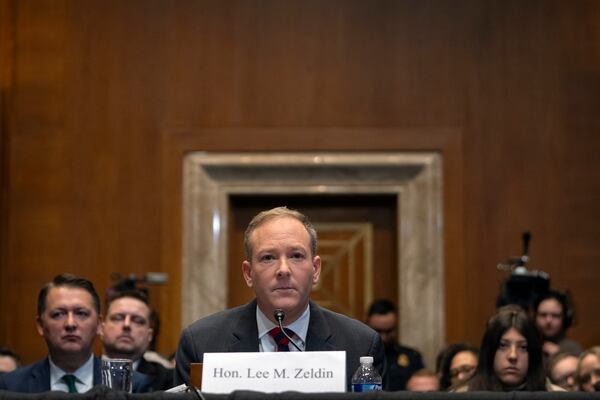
x=316, y=269
x=39, y=324
x=100, y=327
x=150, y=335
x=247, y=271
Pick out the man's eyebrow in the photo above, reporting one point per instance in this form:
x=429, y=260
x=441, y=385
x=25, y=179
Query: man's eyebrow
x=265, y=250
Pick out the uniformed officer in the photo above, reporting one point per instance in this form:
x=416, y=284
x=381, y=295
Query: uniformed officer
x=401, y=361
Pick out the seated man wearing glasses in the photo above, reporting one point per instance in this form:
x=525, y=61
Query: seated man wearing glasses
x=401, y=361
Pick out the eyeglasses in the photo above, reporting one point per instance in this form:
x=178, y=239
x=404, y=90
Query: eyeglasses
x=565, y=381
x=385, y=331
x=587, y=378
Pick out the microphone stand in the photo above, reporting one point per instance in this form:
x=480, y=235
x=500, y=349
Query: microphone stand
x=279, y=315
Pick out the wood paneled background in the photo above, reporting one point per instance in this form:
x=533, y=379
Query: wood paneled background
x=99, y=100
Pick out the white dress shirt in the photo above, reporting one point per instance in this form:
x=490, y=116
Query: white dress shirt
x=84, y=375
x=299, y=326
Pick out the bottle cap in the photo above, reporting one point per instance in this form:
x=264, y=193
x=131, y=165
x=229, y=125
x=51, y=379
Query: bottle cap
x=366, y=360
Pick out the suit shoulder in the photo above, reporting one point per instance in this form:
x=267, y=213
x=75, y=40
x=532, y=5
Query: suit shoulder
x=17, y=379
x=217, y=321
x=337, y=320
x=151, y=367
x=141, y=382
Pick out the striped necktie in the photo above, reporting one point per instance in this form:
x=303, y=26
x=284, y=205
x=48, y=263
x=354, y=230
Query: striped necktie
x=280, y=339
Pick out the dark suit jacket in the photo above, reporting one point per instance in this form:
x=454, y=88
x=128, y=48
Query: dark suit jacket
x=161, y=378
x=401, y=363
x=35, y=378
x=235, y=330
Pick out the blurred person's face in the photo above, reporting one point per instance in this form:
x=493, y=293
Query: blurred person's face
x=423, y=384
x=69, y=323
x=462, y=366
x=385, y=325
x=563, y=373
x=283, y=269
x=511, y=361
x=549, y=318
x=7, y=364
x=589, y=372
x=126, y=331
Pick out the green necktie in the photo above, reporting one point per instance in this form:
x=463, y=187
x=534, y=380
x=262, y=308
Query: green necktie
x=70, y=381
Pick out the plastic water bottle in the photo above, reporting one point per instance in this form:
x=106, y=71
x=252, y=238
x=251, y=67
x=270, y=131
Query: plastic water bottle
x=366, y=378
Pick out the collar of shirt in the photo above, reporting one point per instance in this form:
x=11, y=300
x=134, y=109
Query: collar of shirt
x=299, y=326
x=84, y=375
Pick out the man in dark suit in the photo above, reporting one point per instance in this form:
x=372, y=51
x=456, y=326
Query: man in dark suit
x=401, y=361
x=126, y=333
x=37, y=377
x=68, y=319
x=281, y=267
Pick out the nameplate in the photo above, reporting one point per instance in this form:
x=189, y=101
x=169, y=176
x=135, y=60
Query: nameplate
x=272, y=372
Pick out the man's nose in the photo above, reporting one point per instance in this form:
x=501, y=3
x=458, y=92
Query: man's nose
x=284, y=267
x=127, y=322
x=70, y=321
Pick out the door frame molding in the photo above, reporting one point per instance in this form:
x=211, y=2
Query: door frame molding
x=415, y=178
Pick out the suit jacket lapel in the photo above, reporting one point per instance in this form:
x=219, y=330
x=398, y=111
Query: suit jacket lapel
x=318, y=335
x=97, y=372
x=245, y=331
x=40, y=377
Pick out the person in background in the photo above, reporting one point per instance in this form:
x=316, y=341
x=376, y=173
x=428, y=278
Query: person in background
x=151, y=355
x=553, y=317
x=510, y=356
x=457, y=363
x=126, y=333
x=281, y=267
x=562, y=369
x=423, y=380
x=588, y=369
x=9, y=360
x=68, y=318
x=401, y=361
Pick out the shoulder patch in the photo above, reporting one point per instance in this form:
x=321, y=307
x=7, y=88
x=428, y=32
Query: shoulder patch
x=403, y=360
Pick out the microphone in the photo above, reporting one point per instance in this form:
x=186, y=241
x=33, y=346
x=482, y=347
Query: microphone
x=525, y=257
x=279, y=316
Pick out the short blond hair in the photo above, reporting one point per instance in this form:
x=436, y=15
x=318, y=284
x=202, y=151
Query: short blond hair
x=275, y=213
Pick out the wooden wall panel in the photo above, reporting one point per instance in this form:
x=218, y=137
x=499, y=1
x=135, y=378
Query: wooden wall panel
x=6, y=63
x=519, y=149
x=579, y=176
x=105, y=97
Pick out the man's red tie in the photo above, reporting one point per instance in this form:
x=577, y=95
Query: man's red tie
x=280, y=339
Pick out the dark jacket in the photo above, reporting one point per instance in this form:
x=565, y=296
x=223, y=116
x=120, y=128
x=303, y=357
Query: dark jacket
x=161, y=378
x=235, y=330
x=35, y=378
x=401, y=363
